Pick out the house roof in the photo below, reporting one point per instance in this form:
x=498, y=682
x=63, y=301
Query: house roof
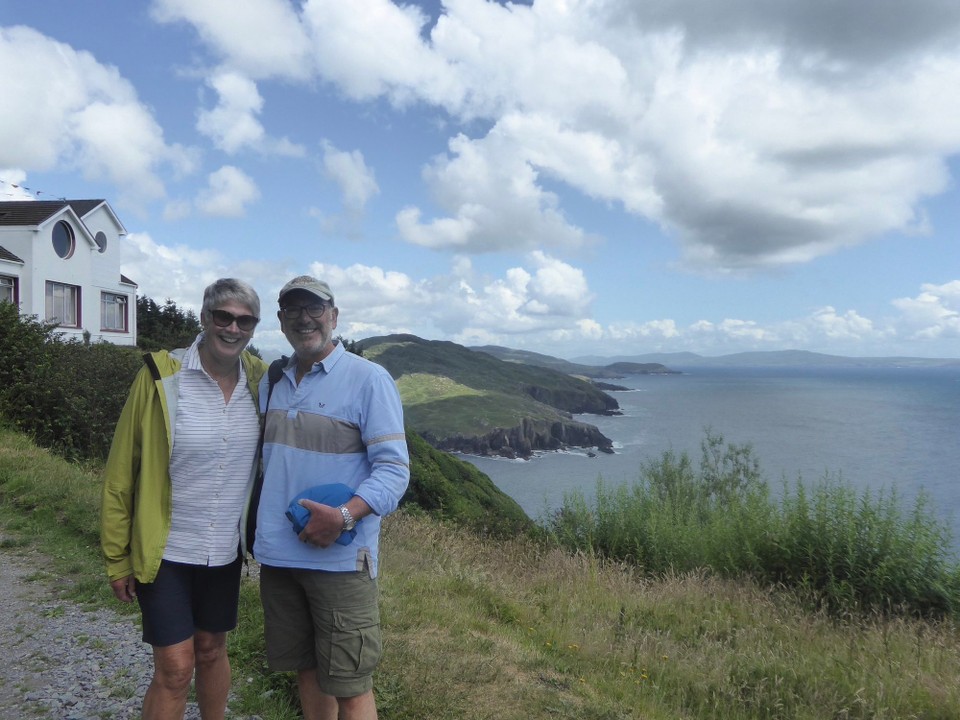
x=35, y=212
x=82, y=207
x=7, y=255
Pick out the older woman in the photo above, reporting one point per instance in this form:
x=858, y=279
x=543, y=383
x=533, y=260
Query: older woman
x=176, y=483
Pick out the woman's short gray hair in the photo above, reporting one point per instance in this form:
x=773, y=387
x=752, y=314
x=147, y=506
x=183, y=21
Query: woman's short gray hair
x=227, y=289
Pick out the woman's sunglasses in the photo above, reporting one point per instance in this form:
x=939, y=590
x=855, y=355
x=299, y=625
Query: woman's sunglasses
x=221, y=318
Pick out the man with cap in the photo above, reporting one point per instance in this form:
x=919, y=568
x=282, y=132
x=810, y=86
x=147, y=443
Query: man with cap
x=333, y=419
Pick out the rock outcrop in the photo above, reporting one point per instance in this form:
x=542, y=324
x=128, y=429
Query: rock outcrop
x=526, y=438
x=589, y=400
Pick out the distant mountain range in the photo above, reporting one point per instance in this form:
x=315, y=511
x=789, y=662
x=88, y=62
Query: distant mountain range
x=779, y=358
x=602, y=368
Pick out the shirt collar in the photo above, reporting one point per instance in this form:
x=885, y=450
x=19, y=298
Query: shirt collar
x=326, y=364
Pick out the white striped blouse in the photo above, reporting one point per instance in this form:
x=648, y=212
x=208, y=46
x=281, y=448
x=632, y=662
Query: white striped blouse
x=214, y=447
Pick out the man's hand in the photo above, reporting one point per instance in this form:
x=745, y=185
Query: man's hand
x=125, y=588
x=324, y=526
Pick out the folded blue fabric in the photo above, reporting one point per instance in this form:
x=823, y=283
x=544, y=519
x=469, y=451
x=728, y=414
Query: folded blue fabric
x=332, y=494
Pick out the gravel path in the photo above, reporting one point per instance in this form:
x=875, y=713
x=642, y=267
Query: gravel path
x=62, y=662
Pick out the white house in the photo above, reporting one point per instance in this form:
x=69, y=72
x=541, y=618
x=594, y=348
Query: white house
x=60, y=261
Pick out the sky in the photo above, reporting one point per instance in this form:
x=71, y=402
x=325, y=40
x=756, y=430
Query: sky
x=570, y=177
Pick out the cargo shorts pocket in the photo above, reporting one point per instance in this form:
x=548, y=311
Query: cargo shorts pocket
x=355, y=642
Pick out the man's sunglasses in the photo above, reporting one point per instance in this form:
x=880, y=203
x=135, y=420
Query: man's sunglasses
x=221, y=318
x=292, y=312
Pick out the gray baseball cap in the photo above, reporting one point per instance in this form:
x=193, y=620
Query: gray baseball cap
x=317, y=288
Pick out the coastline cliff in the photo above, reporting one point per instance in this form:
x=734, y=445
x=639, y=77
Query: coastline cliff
x=471, y=402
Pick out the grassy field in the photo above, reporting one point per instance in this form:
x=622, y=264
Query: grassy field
x=480, y=628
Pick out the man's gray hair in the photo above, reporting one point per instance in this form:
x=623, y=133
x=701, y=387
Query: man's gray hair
x=227, y=289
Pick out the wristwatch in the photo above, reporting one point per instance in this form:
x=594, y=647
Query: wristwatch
x=348, y=522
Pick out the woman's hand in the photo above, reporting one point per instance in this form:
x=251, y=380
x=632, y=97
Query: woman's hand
x=125, y=589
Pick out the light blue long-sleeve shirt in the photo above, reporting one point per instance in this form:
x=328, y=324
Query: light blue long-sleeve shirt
x=343, y=423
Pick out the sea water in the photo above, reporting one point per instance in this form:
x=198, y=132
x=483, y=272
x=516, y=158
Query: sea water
x=877, y=429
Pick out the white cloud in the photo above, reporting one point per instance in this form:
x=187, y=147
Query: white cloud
x=371, y=48
x=544, y=297
x=744, y=144
x=63, y=107
x=758, y=134
x=933, y=314
x=349, y=171
x=162, y=272
x=12, y=185
x=559, y=288
x=543, y=305
x=228, y=193
x=233, y=124
x=260, y=38
x=848, y=326
x=494, y=199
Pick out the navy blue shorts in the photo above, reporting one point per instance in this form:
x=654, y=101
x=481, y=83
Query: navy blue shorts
x=185, y=598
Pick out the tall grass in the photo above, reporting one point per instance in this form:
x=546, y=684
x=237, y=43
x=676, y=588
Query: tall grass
x=847, y=551
x=476, y=629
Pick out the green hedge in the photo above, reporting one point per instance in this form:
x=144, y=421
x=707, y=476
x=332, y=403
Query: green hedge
x=65, y=394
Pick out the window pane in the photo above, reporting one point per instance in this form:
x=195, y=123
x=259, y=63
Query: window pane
x=7, y=289
x=62, y=305
x=63, y=239
x=113, y=311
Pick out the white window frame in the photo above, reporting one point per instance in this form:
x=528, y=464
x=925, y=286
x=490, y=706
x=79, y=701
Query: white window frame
x=113, y=312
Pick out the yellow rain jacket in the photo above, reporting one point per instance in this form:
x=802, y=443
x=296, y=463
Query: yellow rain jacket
x=137, y=503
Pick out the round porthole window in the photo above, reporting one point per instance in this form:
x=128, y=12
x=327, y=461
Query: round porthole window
x=63, y=240
x=101, y=239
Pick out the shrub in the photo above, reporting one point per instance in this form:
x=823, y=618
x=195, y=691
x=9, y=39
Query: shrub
x=65, y=394
x=848, y=551
x=164, y=327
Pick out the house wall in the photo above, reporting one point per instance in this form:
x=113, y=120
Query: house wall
x=19, y=241
x=94, y=272
x=104, y=268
